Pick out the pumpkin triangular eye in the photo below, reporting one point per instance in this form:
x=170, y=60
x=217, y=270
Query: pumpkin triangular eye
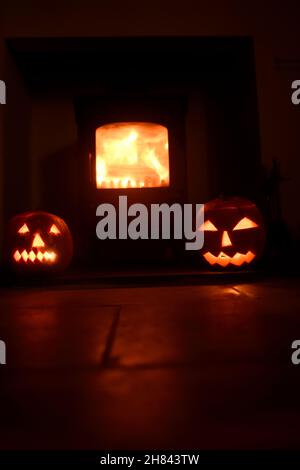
x=23, y=229
x=54, y=230
x=245, y=223
x=209, y=226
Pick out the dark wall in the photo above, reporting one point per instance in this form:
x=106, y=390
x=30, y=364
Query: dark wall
x=15, y=142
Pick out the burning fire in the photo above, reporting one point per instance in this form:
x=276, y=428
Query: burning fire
x=132, y=155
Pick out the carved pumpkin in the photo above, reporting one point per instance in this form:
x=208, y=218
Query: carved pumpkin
x=38, y=242
x=234, y=233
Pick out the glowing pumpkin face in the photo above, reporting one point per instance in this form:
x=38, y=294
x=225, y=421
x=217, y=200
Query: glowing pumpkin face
x=39, y=242
x=234, y=234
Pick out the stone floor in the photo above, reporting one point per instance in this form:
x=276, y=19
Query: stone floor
x=179, y=367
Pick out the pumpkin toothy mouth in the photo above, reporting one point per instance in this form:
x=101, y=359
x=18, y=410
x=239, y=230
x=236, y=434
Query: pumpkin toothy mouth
x=223, y=260
x=31, y=256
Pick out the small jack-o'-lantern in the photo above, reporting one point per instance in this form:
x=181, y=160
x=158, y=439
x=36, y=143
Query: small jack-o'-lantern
x=38, y=242
x=234, y=233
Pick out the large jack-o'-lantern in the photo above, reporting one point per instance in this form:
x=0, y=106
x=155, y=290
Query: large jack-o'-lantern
x=234, y=233
x=38, y=242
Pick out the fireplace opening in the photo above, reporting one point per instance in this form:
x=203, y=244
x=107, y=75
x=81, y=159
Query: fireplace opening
x=206, y=129
x=132, y=155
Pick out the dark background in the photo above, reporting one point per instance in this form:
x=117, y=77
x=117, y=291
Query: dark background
x=38, y=122
x=141, y=361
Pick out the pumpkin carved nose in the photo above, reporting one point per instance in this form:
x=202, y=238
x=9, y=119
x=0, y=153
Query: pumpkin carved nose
x=37, y=241
x=226, y=239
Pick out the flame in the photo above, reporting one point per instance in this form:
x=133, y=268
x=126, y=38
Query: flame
x=132, y=155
